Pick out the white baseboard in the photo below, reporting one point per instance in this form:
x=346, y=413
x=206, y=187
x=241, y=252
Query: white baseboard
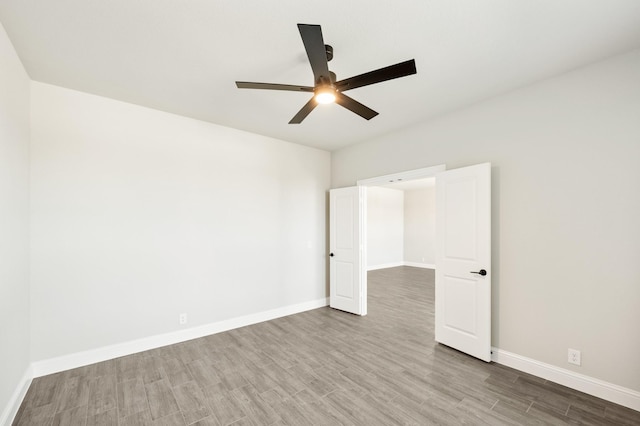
x=10, y=411
x=420, y=265
x=385, y=266
x=596, y=387
x=79, y=359
x=599, y=388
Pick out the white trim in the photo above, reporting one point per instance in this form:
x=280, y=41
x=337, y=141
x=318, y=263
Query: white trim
x=420, y=265
x=79, y=359
x=592, y=386
x=404, y=176
x=385, y=266
x=362, y=233
x=12, y=407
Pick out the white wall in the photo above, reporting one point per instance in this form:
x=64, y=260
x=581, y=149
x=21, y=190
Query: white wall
x=420, y=226
x=139, y=215
x=385, y=229
x=566, y=208
x=14, y=223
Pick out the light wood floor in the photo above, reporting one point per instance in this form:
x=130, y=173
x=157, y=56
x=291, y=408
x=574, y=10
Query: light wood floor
x=322, y=367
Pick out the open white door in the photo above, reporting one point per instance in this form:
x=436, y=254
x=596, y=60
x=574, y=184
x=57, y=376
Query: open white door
x=348, y=282
x=463, y=260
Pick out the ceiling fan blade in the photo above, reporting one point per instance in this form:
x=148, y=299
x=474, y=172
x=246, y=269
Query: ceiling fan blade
x=314, y=45
x=306, y=109
x=272, y=86
x=383, y=74
x=355, y=106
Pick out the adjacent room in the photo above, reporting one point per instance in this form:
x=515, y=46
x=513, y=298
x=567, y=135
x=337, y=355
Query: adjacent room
x=168, y=249
x=401, y=225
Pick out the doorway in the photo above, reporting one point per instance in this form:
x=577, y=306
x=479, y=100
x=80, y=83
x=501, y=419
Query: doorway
x=400, y=225
x=463, y=252
x=399, y=228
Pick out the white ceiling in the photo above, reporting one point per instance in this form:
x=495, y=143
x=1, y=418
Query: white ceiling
x=184, y=56
x=413, y=184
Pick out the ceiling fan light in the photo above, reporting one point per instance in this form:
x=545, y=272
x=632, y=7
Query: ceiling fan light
x=325, y=96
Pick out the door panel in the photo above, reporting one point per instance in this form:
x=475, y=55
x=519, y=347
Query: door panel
x=461, y=224
x=460, y=309
x=344, y=210
x=344, y=279
x=347, y=279
x=463, y=237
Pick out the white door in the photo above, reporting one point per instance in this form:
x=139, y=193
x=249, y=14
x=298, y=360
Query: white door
x=348, y=281
x=463, y=260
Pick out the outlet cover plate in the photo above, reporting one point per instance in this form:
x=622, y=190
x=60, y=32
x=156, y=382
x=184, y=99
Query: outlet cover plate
x=574, y=357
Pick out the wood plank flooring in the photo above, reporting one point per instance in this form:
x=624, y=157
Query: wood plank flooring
x=322, y=367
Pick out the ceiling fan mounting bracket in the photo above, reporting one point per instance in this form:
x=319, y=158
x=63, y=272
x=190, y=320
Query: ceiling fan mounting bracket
x=329, y=51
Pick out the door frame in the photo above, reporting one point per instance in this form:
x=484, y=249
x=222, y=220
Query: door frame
x=425, y=172
x=384, y=180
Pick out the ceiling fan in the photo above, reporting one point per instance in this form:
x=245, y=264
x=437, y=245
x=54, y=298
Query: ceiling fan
x=326, y=89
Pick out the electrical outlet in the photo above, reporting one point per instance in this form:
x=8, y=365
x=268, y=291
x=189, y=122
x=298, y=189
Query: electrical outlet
x=183, y=319
x=574, y=357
